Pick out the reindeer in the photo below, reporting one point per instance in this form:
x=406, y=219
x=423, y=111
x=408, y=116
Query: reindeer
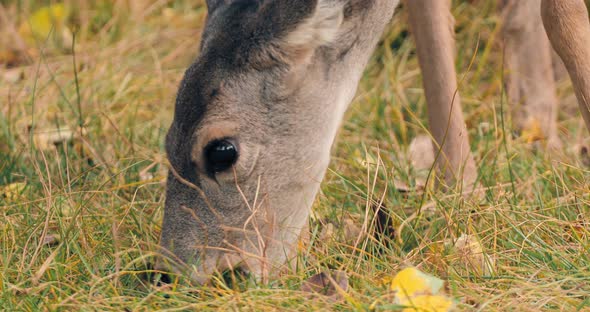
x=257, y=113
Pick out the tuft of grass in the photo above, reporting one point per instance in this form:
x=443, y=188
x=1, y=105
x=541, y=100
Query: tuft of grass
x=82, y=233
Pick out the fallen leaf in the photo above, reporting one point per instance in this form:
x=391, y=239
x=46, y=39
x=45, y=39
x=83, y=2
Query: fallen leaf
x=532, y=131
x=418, y=291
x=468, y=257
x=333, y=286
x=12, y=191
x=47, y=139
x=428, y=303
x=51, y=240
x=351, y=230
x=327, y=232
x=43, y=22
x=411, y=282
x=348, y=230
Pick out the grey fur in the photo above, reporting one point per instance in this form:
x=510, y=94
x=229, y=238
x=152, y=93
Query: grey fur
x=281, y=100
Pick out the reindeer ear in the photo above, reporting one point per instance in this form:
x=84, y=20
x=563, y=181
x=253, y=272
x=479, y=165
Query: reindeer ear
x=319, y=29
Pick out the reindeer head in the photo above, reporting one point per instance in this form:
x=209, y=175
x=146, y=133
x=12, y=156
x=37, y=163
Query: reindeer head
x=255, y=117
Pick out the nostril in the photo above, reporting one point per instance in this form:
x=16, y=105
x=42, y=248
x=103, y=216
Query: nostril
x=161, y=274
x=164, y=279
x=156, y=275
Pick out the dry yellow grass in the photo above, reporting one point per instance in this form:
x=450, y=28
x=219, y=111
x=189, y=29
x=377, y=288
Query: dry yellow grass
x=78, y=231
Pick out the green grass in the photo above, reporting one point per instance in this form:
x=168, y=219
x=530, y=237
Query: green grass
x=89, y=192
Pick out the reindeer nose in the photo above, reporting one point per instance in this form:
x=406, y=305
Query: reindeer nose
x=165, y=278
x=161, y=270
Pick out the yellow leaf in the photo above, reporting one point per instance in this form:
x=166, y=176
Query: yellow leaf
x=532, y=131
x=46, y=20
x=428, y=303
x=418, y=291
x=412, y=282
x=12, y=191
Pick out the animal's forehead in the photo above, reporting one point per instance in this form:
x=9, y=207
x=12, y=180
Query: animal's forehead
x=238, y=29
x=215, y=64
x=228, y=29
x=234, y=33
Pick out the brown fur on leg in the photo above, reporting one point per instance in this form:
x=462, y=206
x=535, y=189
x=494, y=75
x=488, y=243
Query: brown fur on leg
x=530, y=78
x=432, y=26
x=568, y=28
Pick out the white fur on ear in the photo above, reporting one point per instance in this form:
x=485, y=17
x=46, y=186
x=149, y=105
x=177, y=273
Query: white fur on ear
x=319, y=29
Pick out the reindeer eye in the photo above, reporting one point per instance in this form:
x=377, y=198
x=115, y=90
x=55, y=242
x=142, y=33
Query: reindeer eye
x=220, y=155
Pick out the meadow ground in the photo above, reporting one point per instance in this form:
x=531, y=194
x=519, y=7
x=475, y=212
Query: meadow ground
x=82, y=170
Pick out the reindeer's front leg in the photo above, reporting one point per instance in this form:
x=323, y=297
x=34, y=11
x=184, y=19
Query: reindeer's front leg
x=531, y=83
x=432, y=25
x=566, y=23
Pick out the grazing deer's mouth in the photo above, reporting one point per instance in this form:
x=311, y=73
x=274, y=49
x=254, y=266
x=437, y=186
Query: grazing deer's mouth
x=248, y=159
x=222, y=265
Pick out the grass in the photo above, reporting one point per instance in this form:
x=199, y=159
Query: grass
x=97, y=199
